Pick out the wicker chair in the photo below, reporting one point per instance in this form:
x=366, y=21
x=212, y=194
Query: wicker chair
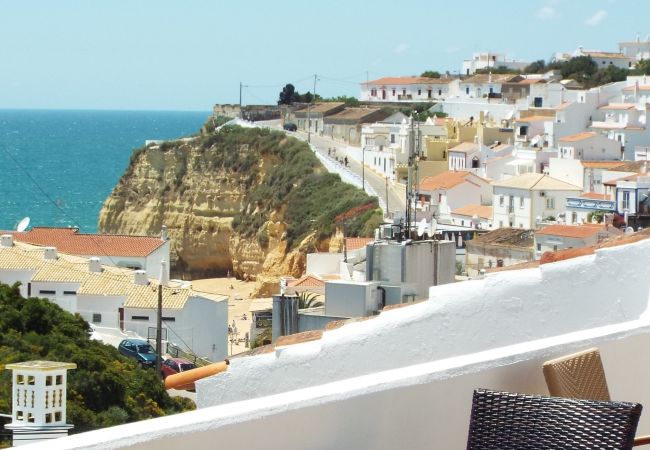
x=580, y=375
x=503, y=420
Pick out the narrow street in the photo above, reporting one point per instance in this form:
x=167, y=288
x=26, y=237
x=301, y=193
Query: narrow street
x=393, y=195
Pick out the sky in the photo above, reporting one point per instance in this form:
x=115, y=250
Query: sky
x=190, y=54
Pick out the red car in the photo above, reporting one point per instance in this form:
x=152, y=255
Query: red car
x=175, y=365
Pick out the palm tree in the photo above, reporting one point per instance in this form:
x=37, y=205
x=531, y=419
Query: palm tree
x=309, y=300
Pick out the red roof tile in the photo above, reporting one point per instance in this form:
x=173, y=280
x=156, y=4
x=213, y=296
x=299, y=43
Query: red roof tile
x=353, y=243
x=69, y=240
x=444, y=180
x=571, y=231
x=307, y=281
x=409, y=80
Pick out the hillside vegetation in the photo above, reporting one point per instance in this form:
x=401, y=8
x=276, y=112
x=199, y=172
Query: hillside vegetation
x=106, y=389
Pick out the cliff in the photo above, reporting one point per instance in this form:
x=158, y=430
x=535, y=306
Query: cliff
x=249, y=201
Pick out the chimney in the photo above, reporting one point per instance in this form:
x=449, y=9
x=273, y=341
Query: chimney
x=6, y=241
x=163, y=233
x=140, y=278
x=164, y=277
x=94, y=266
x=49, y=253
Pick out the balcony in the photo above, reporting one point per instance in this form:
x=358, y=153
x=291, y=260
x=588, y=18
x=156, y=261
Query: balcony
x=587, y=203
x=404, y=379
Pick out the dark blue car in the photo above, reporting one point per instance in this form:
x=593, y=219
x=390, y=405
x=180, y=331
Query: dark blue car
x=140, y=350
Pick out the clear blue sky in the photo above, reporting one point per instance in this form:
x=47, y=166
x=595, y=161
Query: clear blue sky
x=187, y=55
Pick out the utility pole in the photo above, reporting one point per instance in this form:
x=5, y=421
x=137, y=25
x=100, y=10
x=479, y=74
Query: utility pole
x=241, y=114
x=309, y=112
x=162, y=281
x=387, y=210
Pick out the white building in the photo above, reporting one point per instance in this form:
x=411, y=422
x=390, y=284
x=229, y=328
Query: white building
x=420, y=363
x=560, y=237
x=525, y=200
x=602, y=59
x=406, y=89
x=489, y=60
x=580, y=209
x=451, y=190
x=484, y=85
x=133, y=252
x=588, y=146
x=636, y=50
x=633, y=200
x=473, y=215
x=120, y=299
x=591, y=175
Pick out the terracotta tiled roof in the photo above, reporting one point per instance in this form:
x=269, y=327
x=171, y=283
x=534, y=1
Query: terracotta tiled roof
x=640, y=88
x=408, y=80
x=444, y=180
x=578, y=136
x=465, y=147
x=351, y=114
x=482, y=211
x=618, y=106
x=69, y=240
x=594, y=196
x=536, y=182
x=483, y=78
x=536, y=119
x=606, y=55
x=308, y=280
x=601, y=164
x=571, y=231
x=353, y=243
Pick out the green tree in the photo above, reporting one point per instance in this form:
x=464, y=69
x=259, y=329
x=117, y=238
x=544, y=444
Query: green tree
x=538, y=66
x=642, y=68
x=430, y=74
x=579, y=68
x=309, y=300
x=288, y=95
x=498, y=70
x=106, y=388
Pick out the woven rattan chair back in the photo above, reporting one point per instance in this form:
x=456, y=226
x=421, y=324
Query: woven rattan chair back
x=579, y=375
x=503, y=420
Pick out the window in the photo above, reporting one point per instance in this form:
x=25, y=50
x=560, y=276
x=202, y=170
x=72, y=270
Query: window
x=373, y=92
x=48, y=380
x=501, y=200
x=31, y=380
x=467, y=90
x=59, y=380
x=521, y=202
x=439, y=91
x=403, y=91
x=139, y=317
x=393, y=92
x=429, y=92
x=169, y=319
x=392, y=138
x=46, y=292
x=574, y=217
x=58, y=416
x=550, y=203
x=539, y=247
x=69, y=292
x=500, y=223
x=626, y=200
x=48, y=418
x=419, y=91
x=97, y=318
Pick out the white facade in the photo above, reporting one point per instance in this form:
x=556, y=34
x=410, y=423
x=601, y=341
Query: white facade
x=486, y=60
x=352, y=298
x=589, y=147
x=637, y=50
x=406, y=89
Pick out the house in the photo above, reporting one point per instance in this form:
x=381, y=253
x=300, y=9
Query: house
x=560, y=237
x=632, y=200
x=589, y=146
x=502, y=247
x=464, y=156
x=117, y=299
x=346, y=125
x=421, y=362
x=473, y=215
x=450, y=190
x=602, y=59
x=636, y=50
x=625, y=122
x=485, y=85
x=488, y=60
x=591, y=175
x=526, y=199
x=385, y=144
x=582, y=208
x=311, y=117
x=133, y=252
x=405, y=89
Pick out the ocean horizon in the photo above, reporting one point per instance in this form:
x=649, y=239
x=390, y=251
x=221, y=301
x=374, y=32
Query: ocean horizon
x=57, y=166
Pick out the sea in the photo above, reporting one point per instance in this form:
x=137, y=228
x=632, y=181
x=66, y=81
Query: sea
x=58, y=166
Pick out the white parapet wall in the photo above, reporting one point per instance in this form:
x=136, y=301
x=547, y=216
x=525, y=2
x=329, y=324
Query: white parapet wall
x=405, y=378
x=506, y=308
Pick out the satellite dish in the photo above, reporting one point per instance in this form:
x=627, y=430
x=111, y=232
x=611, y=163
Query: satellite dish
x=23, y=224
x=422, y=227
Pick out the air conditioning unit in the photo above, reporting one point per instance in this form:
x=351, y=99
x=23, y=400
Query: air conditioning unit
x=542, y=193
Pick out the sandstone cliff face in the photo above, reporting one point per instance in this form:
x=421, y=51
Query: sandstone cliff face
x=214, y=194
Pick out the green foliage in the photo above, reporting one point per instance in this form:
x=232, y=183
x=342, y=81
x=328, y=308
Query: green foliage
x=293, y=181
x=349, y=101
x=538, y=66
x=459, y=268
x=430, y=74
x=580, y=68
x=642, y=68
x=214, y=122
x=610, y=74
x=308, y=300
x=596, y=216
x=289, y=95
x=106, y=388
x=498, y=70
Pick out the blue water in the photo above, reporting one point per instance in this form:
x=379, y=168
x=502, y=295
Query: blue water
x=67, y=162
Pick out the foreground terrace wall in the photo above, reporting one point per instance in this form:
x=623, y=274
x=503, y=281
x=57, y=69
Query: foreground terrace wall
x=425, y=406
x=506, y=308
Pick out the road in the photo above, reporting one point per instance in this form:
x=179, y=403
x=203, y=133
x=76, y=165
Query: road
x=393, y=195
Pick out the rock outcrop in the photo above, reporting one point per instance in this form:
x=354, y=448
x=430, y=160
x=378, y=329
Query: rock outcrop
x=229, y=202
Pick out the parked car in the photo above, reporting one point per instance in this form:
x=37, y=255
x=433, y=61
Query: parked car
x=140, y=350
x=173, y=366
x=290, y=126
